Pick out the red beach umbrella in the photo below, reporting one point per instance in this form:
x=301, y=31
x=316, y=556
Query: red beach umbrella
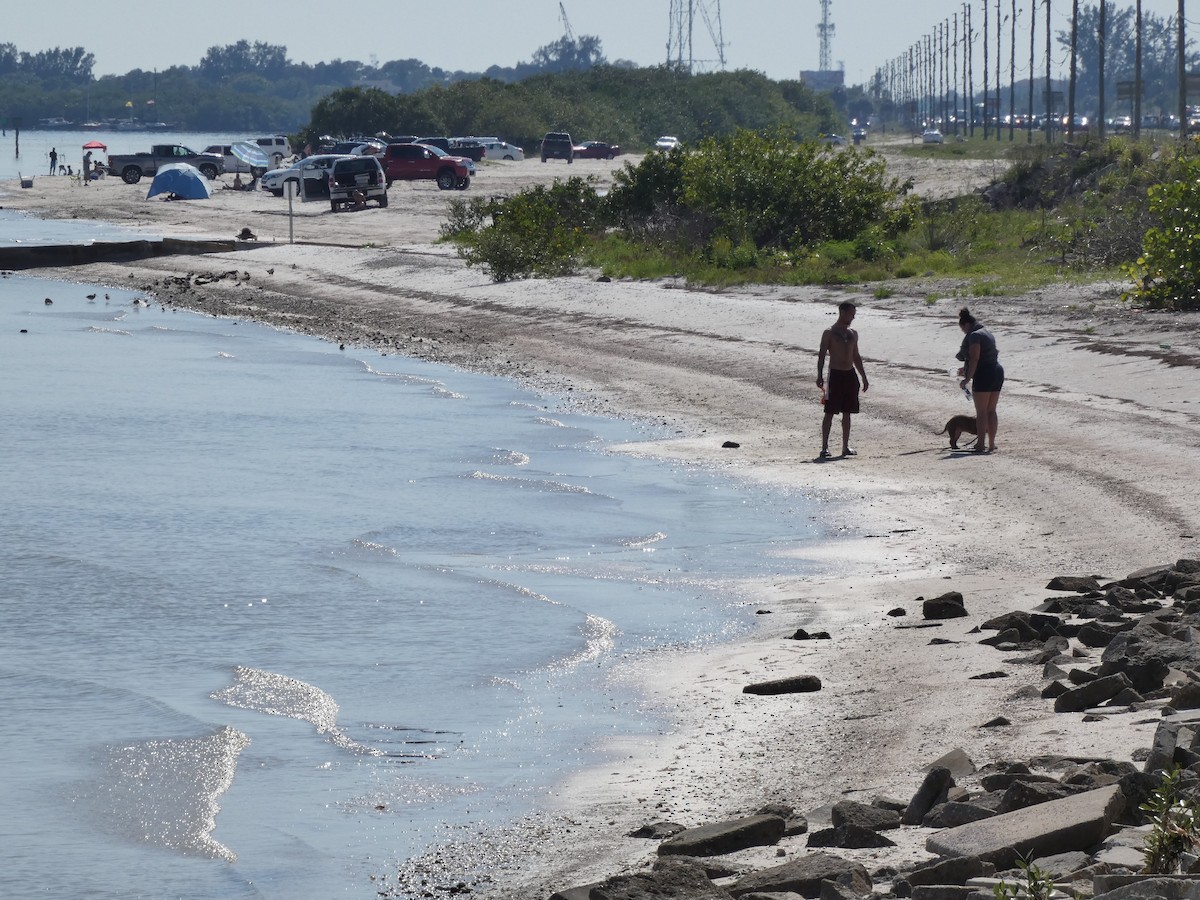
x=95, y=145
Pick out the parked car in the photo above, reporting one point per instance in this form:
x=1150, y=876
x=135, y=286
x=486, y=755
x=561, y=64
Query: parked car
x=314, y=169
x=502, y=150
x=668, y=142
x=596, y=150
x=558, y=145
x=932, y=136
x=442, y=143
x=418, y=162
x=357, y=148
x=355, y=180
x=233, y=165
x=833, y=140
x=276, y=147
x=468, y=147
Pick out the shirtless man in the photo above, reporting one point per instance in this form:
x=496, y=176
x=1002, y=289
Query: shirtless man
x=840, y=341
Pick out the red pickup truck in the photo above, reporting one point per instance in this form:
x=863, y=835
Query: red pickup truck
x=417, y=162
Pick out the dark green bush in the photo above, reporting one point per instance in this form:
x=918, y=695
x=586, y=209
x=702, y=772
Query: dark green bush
x=1168, y=271
x=537, y=233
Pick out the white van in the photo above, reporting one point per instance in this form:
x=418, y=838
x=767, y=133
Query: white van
x=276, y=147
x=232, y=163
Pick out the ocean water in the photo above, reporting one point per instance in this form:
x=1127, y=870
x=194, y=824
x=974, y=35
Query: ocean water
x=277, y=617
x=28, y=153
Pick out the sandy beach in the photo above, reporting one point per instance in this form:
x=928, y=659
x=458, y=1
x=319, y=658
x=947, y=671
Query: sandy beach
x=1097, y=472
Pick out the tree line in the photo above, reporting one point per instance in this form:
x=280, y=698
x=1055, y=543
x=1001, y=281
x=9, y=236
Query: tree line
x=630, y=107
x=244, y=86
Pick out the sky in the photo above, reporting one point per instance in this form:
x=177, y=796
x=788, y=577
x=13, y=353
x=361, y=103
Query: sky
x=776, y=37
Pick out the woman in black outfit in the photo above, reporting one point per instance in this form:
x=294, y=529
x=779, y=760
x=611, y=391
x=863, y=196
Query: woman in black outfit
x=981, y=367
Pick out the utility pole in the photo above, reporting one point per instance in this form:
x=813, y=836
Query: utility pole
x=1102, y=47
x=1012, y=72
x=1137, y=73
x=1032, y=32
x=998, y=24
x=954, y=78
x=969, y=70
x=1181, y=41
x=986, y=86
x=1049, y=83
x=1074, y=64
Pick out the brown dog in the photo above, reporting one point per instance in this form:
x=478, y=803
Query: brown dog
x=956, y=426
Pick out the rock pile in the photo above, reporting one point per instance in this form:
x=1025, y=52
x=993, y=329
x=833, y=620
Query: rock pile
x=1078, y=819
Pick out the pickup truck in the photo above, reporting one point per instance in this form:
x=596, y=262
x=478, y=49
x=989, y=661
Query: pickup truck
x=132, y=166
x=414, y=162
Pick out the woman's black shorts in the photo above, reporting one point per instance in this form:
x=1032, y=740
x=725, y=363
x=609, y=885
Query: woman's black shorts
x=988, y=379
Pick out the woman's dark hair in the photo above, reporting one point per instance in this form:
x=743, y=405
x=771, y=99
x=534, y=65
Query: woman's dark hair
x=965, y=317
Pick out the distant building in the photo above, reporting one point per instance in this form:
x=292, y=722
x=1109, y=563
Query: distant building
x=832, y=80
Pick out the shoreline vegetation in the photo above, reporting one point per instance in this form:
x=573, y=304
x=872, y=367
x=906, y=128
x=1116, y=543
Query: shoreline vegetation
x=1096, y=474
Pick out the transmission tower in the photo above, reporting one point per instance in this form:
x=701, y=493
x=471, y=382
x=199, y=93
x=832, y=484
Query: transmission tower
x=680, y=50
x=825, y=32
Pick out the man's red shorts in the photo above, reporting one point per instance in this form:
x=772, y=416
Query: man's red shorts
x=842, y=391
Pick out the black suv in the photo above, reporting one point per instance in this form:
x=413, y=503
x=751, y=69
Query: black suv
x=558, y=145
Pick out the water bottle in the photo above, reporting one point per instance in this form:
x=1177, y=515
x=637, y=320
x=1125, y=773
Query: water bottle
x=955, y=372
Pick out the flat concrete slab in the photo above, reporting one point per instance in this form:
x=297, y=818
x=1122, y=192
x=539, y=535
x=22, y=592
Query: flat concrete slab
x=1072, y=823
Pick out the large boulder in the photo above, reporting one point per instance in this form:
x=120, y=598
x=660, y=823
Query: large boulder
x=1093, y=693
x=932, y=791
x=949, y=605
x=804, y=875
x=849, y=836
x=950, y=871
x=848, y=812
x=1073, y=823
x=1160, y=887
x=1079, y=584
x=725, y=837
x=1145, y=654
x=669, y=880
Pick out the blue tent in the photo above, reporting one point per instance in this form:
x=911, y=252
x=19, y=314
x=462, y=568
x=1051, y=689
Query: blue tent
x=181, y=181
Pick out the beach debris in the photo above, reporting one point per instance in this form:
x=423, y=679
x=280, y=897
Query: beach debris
x=850, y=837
x=949, y=605
x=796, y=684
x=657, y=831
x=804, y=875
x=730, y=445
x=802, y=635
x=1072, y=823
x=862, y=815
x=719, y=838
x=793, y=822
x=933, y=790
x=670, y=877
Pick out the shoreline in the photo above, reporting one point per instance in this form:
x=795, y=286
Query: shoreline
x=1097, y=474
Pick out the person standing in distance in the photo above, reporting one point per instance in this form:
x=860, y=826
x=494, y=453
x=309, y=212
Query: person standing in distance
x=53, y=160
x=982, y=370
x=840, y=343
